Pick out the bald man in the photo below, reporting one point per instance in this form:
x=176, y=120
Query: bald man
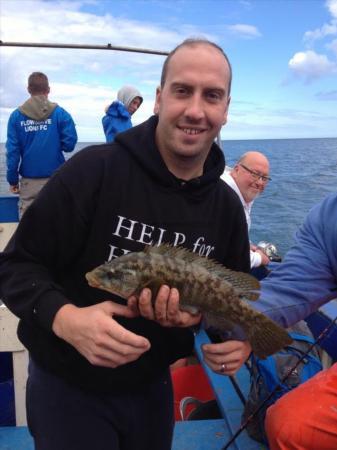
x=248, y=179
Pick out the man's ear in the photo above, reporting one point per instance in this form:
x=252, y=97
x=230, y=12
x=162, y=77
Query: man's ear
x=235, y=171
x=157, y=101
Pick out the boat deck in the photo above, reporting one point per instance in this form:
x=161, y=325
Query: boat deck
x=193, y=435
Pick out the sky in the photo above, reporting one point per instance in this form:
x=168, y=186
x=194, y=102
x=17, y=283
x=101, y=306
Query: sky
x=283, y=54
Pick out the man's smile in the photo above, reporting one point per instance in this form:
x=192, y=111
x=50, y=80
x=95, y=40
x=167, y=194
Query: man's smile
x=191, y=131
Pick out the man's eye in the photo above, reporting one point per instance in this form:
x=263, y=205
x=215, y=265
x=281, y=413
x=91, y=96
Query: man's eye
x=181, y=91
x=214, y=96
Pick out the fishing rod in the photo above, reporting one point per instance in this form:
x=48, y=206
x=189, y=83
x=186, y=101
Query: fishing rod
x=244, y=425
x=84, y=47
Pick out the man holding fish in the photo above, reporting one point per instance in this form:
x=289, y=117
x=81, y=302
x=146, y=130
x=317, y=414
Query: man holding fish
x=99, y=368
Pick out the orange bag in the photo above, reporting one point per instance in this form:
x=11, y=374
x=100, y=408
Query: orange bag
x=190, y=381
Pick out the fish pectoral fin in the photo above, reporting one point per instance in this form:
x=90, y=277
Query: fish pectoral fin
x=216, y=322
x=154, y=286
x=191, y=309
x=251, y=296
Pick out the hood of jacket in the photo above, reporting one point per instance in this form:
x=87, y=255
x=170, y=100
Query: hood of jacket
x=140, y=142
x=117, y=109
x=127, y=93
x=37, y=107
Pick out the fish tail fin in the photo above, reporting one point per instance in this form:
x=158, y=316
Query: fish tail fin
x=266, y=337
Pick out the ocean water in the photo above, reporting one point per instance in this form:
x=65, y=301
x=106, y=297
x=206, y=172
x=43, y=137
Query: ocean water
x=303, y=171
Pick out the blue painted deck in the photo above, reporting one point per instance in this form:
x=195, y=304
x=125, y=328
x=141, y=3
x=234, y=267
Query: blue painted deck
x=194, y=435
x=15, y=438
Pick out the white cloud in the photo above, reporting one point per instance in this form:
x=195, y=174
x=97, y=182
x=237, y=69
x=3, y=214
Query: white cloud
x=332, y=7
x=327, y=29
x=333, y=46
x=245, y=31
x=310, y=65
x=41, y=21
x=327, y=96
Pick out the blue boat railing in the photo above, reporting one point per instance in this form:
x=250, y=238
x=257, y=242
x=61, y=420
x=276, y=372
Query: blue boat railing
x=9, y=208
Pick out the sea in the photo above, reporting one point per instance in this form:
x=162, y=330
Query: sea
x=303, y=172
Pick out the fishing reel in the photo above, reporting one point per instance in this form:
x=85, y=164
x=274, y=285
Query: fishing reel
x=270, y=250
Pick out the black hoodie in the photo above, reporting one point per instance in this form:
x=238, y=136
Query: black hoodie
x=104, y=201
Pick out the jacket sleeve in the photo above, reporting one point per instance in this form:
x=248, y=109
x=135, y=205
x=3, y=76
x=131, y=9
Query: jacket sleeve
x=46, y=242
x=306, y=278
x=13, y=153
x=255, y=259
x=67, y=129
x=109, y=127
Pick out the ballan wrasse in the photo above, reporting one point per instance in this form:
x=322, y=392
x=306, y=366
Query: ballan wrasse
x=205, y=286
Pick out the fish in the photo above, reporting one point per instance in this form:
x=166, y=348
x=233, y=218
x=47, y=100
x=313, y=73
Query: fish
x=205, y=286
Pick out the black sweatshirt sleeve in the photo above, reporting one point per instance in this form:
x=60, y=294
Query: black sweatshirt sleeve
x=235, y=234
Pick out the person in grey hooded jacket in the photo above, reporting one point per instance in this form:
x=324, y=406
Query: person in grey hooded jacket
x=118, y=114
x=38, y=133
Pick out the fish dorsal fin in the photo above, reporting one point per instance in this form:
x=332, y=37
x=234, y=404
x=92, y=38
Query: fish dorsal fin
x=184, y=254
x=246, y=284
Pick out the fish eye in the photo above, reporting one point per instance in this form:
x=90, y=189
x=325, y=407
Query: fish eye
x=110, y=275
x=118, y=274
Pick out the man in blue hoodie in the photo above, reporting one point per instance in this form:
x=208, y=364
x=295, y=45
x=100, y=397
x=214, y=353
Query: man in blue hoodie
x=307, y=278
x=304, y=418
x=38, y=133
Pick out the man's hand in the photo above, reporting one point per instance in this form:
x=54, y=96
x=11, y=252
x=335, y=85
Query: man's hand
x=226, y=357
x=165, y=310
x=97, y=336
x=264, y=258
x=15, y=189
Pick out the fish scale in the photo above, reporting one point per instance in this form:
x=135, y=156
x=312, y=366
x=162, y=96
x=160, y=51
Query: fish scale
x=220, y=294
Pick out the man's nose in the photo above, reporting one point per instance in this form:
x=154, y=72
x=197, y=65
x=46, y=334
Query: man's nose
x=195, y=107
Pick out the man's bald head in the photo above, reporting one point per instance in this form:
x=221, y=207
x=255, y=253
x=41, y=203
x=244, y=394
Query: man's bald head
x=251, y=174
x=254, y=157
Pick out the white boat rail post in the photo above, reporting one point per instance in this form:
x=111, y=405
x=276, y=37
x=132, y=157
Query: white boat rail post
x=10, y=343
x=6, y=231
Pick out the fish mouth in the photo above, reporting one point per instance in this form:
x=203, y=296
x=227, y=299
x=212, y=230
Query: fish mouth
x=95, y=282
x=92, y=280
